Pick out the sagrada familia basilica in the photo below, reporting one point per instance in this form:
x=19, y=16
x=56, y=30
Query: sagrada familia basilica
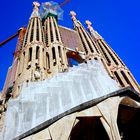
x=67, y=84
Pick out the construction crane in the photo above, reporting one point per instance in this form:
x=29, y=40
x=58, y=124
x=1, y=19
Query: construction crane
x=64, y=3
x=21, y=33
x=9, y=38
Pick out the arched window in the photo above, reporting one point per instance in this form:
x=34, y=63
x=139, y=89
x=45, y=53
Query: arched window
x=37, y=31
x=126, y=78
x=46, y=32
x=59, y=51
x=51, y=30
x=54, y=56
x=32, y=32
x=119, y=79
x=55, y=26
x=84, y=45
x=23, y=60
x=30, y=54
x=87, y=40
x=26, y=35
x=37, y=52
x=110, y=53
x=47, y=61
x=106, y=57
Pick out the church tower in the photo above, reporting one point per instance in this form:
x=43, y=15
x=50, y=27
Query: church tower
x=42, y=53
x=55, y=49
x=89, y=45
x=31, y=66
x=118, y=69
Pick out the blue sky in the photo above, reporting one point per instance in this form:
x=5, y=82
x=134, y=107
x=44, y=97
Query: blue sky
x=117, y=21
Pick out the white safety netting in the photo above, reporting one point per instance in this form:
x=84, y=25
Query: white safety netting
x=51, y=8
x=41, y=101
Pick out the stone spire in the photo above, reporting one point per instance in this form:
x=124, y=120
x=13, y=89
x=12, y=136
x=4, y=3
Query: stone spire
x=110, y=56
x=56, y=51
x=34, y=30
x=89, y=46
x=115, y=65
x=31, y=58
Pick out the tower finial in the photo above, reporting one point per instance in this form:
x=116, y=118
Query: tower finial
x=73, y=15
x=36, y=4
x=88, y=23
x=92, y=31
x=35, y=12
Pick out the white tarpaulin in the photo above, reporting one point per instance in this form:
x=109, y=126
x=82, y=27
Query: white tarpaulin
x=41, y=101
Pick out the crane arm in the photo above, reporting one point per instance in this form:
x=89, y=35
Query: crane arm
x=8, y=39
x=64, y=3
